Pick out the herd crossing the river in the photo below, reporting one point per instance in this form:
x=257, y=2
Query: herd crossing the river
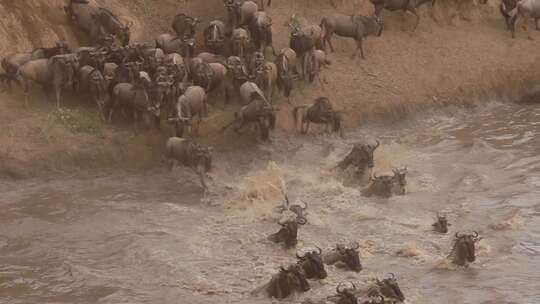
x=167, y=81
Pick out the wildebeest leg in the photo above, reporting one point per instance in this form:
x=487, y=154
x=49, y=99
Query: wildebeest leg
x=200, y=173
x=513, y=22
x=359, y=47
x=170, y=164
x=536, y=24
x=329, y=39
x=307, y=126
x=413, y=11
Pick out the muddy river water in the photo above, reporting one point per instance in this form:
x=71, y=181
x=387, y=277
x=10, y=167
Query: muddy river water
x=155, y=238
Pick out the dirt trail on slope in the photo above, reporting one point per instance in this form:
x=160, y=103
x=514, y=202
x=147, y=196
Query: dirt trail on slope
x=443, y=62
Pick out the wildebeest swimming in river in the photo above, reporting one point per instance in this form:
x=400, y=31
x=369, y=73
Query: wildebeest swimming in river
x=312, y=264
x=441, y=225
x=285, y=282
x=463, y=251
x=387, y=288
x=288, y=232
x=189, y=154
x=387, y=185
x=344, y=256
x=360, y=158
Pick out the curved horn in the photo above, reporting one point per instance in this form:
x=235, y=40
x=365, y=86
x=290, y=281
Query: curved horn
x=393, y=276
x=458, y=235
x=476, y=234
x=319, y=249
x=301, y=221
x=355, y=245
x=354, y=286
x=282, y=269
x=299, y=256
x=377, y=145
x=305, y=205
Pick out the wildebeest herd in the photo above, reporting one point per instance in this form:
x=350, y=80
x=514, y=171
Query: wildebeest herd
x=167, y=81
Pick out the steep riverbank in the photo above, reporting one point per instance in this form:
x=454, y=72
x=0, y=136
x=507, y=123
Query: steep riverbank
x=444, y=62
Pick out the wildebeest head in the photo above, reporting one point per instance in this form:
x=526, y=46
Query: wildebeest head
x=287, y=281
x=188, y=46
x=346, y=295
x=441, y=225
x=464, y=251
x=389, y=288
x=399, y=180
x=65, y=67
x=124, y=34
x=284, y=79
x=350, y=256
x=312, y=264
x=288, y=233
x=361, y=156
x=203, y=158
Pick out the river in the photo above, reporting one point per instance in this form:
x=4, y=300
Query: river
x=153, y=237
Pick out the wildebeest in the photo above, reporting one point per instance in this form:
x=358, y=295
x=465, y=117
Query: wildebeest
x=388, y=288
x=288, y=233
x=257, y=110
x=286, y=282
x=260, y=28
x=404, y=5
x=238, y=74
x=214, y=37
x=357, y=27
x=320, y=112
x=113, y=25
x=360, y=157
x=525, y=9
x=344, y=256
x=240, y=12
x=58, y=71
x=286, y=64
x=297, y=209
x=313, y=63
x=192, y=103
x=83, y=14
x=266, y=78
x=463, y=251
x=190, y=154
x=92, y=81
x=184, y=25
x=13, y=62
x=387, y=185
x=136, y=97
x=170, y=44
x=176, y=66
x=506, y=7
x=240, y=42
x=441, y=225
x=345, y=295
x=303, y=40
x=312, y=264
x=211, y=77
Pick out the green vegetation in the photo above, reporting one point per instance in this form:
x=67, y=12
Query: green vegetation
x=78, y=121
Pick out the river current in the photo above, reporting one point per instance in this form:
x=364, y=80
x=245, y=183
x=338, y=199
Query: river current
x=154, y=237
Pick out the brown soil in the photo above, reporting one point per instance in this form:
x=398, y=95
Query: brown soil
x=448, y=61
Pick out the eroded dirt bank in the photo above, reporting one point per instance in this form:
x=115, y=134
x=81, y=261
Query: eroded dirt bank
x=448, y=61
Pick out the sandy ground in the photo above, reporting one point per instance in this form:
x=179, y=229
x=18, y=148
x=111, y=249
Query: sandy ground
x=445, y=61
